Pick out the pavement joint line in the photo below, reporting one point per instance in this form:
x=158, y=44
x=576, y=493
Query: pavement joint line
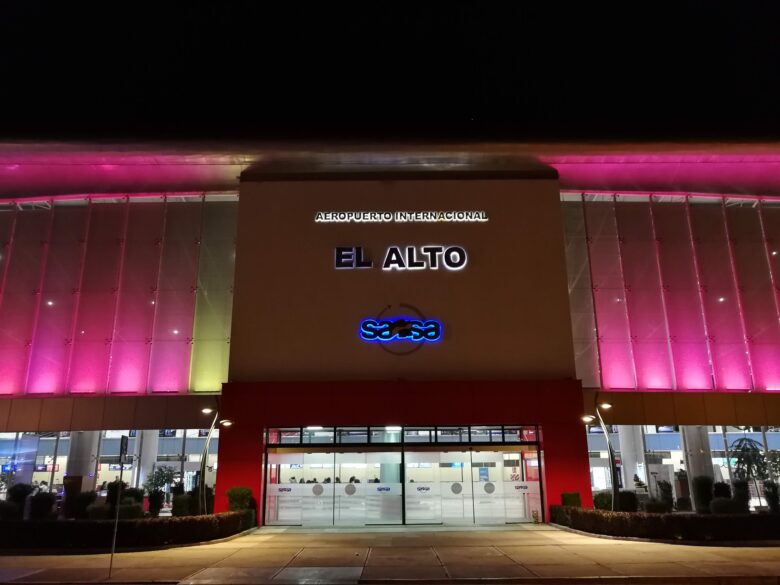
x=446, y=571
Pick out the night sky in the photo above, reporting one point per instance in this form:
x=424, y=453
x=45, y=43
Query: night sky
x=480, y=70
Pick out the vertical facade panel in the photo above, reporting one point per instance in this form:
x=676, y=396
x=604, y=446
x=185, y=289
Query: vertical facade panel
x=131, y=347
x=20, y=297
x=172, y=336
x=609, y=294
x=50, y=350
x=730, y=364
x=580, y=294
x=214, y=298
x=683, y=307
x=97, y=303
x=646, y=312
x=757, y=294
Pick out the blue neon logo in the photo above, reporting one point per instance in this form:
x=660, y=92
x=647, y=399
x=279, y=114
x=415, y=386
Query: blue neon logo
x=400, y=329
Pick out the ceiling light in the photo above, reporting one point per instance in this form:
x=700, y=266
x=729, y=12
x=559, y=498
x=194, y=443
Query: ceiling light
x=588, y=418
x=207, y=410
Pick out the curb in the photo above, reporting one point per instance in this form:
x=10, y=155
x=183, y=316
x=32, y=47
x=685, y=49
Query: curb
x=35, y=552
x=728, y=543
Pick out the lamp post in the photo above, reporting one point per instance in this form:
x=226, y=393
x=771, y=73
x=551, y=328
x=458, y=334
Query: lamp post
x=205, y=454
x=589, y=418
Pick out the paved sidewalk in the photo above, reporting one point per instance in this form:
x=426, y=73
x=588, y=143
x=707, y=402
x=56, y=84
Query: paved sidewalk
x=528, y=554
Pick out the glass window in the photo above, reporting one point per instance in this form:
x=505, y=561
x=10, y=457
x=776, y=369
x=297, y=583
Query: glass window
x=317, y=434
x=352, y=435
x=286, y=436
x=418, y=435
x=452, y=434
x=516, y=434
x=388, y=434
x=486, y=434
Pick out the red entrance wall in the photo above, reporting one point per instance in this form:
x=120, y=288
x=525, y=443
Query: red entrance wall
x=554, y=405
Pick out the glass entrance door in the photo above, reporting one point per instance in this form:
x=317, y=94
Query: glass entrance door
x=328, y=488
x=477, y=486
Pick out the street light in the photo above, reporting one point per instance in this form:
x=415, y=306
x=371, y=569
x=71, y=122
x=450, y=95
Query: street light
x=204, y=457
x=588, y=418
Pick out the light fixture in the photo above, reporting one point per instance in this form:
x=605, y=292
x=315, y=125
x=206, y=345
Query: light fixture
x=226, y=423
x=207, y=410
x=721, y=299
x=588, y=418
x=50, y=303
x=605, y=406
x=175, y=331
x=774, y=252
x=314, y=428
x=393, y=429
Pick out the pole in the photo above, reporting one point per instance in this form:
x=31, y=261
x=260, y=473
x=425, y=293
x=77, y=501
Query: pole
x=726, y=452
x=116, y=517
x=203, y=458
x=612, y=467
x=54, y=461
x=122, y=458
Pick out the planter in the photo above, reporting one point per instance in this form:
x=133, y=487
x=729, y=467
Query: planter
x=141, y=533
x=682, y=527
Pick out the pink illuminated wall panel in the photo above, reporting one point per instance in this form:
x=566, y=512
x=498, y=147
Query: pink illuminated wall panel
x=580, y=293
x=646, y=313
x=730, y=364
x=172, y=336
x=53, y=334
x=756, y=292
x=609, y=294
x=97, y=303
x=21, y=295
x=681, y=293
x=131, y=347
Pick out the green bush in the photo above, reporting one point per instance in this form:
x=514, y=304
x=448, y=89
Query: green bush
x=239, y=498
x=135, y=494
x=75, y=505
x=725, y=506
x=156, y=501
x=9, y=511
x=678, y=527
x=112, y=489
x=602, y=500
x=702, y=492
x=683, y=504
x=741, y=491
x=571, y=499
x=98, y=512
x=721, y=489
x=772, y=496
x=627, y=501
x=665, y=493
x=181, y=505
x=142, y=532
x=130, y=511
x=42, y=506
x=18, y=493
x=654, y=506
x=195, y=501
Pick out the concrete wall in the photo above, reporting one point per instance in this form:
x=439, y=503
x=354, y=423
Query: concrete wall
x=505, y=314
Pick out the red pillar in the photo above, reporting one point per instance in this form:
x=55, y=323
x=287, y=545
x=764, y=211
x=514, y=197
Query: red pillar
x=565, y=465
x=240, y=463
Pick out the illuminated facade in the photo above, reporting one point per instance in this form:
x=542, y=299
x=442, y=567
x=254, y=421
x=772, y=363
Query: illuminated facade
x=118, y=301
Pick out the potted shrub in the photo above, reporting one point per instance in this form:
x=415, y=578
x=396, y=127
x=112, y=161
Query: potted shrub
x=772, y=496
x=741, y=495
x=702, y=492
x=239, y=498
x=155, y=485
x=721, y=489
x=750, y=464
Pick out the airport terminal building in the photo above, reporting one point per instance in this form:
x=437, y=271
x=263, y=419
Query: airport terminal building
x=388, y=335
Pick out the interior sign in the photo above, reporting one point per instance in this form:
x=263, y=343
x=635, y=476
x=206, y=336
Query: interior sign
x=400, y=217
x=404, y=258
x=400, y=329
